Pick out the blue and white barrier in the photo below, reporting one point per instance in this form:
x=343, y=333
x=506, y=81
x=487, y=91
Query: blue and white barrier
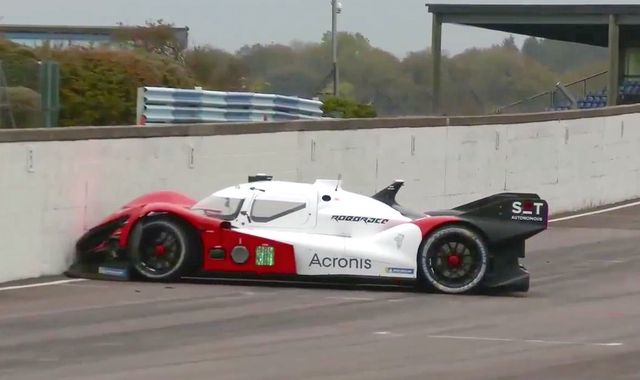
x=159, y=105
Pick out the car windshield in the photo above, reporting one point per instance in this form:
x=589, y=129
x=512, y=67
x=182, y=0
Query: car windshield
x=225, y=208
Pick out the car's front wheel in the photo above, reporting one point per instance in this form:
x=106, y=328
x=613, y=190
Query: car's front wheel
x=453, y=259
x=163, y=248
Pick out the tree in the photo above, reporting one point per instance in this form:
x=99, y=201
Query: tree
x=510, y=43
x=294, y=80
x=497, y=76
x=283, y=69
x=563, y=57
x=154, y=37
x=216, y=69
x=375, y=74
x=262, y=60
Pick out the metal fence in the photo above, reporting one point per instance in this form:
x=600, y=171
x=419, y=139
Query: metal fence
x=160, y=105
x=19, y=93
x=29, y=92
x=558, y=98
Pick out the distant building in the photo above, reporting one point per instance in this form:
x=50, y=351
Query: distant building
x=35, y=35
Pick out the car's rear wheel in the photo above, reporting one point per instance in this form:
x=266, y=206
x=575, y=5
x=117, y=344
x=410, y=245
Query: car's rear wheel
x=163, y=248
x=453, y=259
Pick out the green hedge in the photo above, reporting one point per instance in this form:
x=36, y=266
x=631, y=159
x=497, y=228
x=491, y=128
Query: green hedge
x=99, y=86
x=20, y=65
x=346, y=108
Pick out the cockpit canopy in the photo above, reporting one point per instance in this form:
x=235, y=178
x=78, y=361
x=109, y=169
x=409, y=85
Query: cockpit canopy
x=220, y=207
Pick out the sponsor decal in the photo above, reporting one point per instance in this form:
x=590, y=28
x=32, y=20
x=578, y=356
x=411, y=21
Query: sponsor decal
x=359, y=219
x=527, y=211
x=399, y=270
x=339, y=262
x=399, y=239
x=265, y=256
x=115, y=272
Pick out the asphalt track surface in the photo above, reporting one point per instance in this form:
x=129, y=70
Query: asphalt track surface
x=581, y=320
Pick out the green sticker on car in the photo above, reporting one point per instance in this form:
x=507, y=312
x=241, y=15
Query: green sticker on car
x=265, y=256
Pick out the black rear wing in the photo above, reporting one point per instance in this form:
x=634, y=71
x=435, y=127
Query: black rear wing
x=496, y=197
x=502, y=216
x=507, y=216
x=516, y=207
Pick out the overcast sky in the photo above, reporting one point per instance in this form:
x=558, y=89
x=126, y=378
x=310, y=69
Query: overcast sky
x=398, y=26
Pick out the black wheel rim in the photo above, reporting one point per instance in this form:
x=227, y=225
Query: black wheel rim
x=454, y=263
x=160, y=250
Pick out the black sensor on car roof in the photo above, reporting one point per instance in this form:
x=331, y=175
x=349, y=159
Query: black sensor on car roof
x=260, y=177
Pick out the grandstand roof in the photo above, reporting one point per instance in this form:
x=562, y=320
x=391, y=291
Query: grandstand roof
x=582, y=23
x=616, y=26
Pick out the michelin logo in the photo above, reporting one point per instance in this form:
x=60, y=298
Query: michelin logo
x=115, y=272
x=399, y=270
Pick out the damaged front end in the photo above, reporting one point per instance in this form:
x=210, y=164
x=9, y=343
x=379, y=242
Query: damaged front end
x=99, y=253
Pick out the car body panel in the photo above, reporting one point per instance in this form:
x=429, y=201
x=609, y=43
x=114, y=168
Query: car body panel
x=373, y=255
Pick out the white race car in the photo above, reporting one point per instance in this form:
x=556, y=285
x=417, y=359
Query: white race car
x=285, y=230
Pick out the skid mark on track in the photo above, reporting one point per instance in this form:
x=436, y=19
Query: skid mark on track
x=351, y=298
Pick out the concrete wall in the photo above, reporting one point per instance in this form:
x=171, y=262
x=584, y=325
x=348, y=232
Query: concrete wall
x=52, y=190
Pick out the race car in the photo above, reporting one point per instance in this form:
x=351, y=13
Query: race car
x=270, y=229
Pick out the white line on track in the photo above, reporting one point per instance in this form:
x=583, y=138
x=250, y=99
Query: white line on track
x=40, y=284
x=559, y=342
x=595, y=212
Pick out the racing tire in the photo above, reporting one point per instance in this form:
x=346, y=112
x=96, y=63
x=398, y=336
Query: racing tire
x=453, y=260
x=163, y=248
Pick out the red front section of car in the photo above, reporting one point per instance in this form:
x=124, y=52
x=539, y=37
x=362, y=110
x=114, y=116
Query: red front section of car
x=265, y=256
x=217, y=240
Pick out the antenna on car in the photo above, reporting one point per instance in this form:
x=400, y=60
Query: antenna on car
x=338, y=182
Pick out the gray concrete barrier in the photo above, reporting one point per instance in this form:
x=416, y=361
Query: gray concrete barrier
x=56, y=183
